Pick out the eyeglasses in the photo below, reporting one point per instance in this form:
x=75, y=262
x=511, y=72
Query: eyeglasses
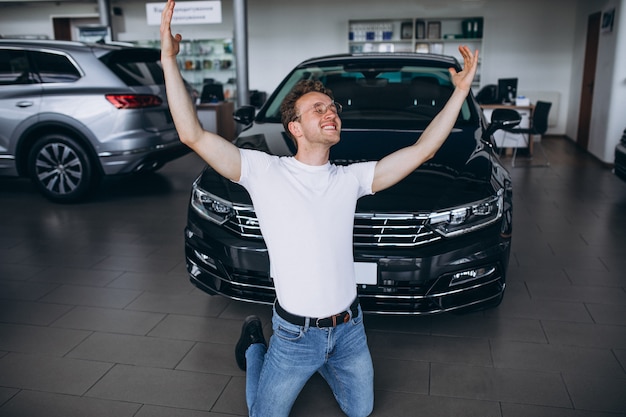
x=321, y=108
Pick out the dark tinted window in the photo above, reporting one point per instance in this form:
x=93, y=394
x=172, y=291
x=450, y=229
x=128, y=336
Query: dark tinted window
x=54, y=68
x=136, y=66
x=14, y=68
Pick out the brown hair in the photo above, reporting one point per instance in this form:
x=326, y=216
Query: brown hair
x=288, y=106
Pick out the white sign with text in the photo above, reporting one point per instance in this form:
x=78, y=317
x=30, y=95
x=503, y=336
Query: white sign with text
x=187, y=12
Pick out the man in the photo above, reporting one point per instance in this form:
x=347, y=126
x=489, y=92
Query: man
x=317, y=321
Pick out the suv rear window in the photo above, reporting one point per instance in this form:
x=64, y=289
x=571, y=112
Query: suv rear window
x=136, y=66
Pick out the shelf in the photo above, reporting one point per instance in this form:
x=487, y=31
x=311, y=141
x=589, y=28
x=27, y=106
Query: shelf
x=418, y=35
x=440, y=36
x=205, y=59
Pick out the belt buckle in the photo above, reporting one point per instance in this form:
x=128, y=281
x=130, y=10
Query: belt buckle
x=333, y=318
x=319, y=326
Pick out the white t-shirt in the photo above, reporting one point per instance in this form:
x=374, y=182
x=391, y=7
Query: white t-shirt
x=306, y=215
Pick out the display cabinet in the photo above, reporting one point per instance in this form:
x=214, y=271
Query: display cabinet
x=206, y=61
x=432, y=35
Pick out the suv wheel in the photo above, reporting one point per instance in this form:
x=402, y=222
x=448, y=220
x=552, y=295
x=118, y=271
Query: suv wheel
x=61, y=169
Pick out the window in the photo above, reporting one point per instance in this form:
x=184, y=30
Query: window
x=380, y=94
x=14, y=68
x=55, y=68
x=136, y=67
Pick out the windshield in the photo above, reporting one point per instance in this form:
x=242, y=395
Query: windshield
x=375, y=94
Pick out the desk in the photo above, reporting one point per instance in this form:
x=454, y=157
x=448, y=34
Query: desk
x=506, y=139
x=218, y=118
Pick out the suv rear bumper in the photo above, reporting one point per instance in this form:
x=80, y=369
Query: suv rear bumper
x=143, y=159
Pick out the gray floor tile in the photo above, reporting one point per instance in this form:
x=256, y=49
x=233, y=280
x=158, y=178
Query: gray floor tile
x=50, y=373
x=417, y=325
x=28, y=312
x=76, y=276
x=20, y=290
x=193, y=304
x=132, y=350
x=233, y=399
x=521, y=306
x=576, y=293
x=190, y=390
x=394, y=404
x=597, y=393
x=620, y=354
x=523, y=410
x=15, y=271
x=34, y=404
x=605, y=279
x=7, y=393
x=153, y=282
x=585, y=335
x=79, y=295
x=37, y=339
x=211, y=358
x=239, y=311
x=109, y=320
x=555, y=358
x=479, y=326
x=608, y=313
x=462, y=350
x=156, y=411
x=401, y=376
x=504, y=385
x=199, y=329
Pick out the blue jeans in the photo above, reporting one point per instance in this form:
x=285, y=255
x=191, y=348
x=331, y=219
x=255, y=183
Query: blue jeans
x=275, y=376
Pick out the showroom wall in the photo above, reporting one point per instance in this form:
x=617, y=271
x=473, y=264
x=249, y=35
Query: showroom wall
x=539, y=42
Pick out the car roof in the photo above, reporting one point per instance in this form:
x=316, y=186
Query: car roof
x=56, y=44
x=438, y=60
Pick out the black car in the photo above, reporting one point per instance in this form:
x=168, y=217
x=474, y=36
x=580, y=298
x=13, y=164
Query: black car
x=438, y=241
x=620, y=157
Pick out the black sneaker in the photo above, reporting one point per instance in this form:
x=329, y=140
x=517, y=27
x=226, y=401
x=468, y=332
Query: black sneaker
x=251, y=333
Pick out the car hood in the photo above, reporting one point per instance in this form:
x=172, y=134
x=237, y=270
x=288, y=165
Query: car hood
x=460, y=172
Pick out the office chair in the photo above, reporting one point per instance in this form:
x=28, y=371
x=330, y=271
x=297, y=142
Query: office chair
x=212, y=93
x=538, y=126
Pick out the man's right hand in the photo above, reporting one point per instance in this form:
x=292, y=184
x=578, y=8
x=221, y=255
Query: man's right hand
x=170, y=44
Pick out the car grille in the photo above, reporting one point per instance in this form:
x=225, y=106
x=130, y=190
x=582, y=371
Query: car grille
x=391, y=230
x=370, y=229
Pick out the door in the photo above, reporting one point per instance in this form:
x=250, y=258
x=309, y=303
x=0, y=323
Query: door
x=589, y=74
x=20, y=100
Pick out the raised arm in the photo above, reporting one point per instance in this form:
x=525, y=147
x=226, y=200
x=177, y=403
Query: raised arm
x=396, y=166
x=218, y=152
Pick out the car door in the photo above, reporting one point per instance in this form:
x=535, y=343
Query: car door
x=20, y=100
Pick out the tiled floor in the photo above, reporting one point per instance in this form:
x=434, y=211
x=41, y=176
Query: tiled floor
x=97, y=317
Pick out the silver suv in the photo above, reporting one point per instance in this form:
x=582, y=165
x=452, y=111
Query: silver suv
x=72, y=112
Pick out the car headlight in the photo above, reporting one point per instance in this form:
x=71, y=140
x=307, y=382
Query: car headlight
x=211, y=207
x=467, y=218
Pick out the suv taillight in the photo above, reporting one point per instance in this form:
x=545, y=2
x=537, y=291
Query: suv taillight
x=134, y=101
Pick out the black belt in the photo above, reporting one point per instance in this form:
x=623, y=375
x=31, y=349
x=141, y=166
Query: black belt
x=331, y=321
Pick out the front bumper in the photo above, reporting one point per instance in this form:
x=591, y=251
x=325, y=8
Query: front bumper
x=467, y=272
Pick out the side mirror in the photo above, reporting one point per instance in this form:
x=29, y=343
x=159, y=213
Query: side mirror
x=244, y=115
x=501, y=119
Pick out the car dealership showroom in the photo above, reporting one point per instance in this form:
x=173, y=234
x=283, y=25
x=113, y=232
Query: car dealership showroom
x=490, y=280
